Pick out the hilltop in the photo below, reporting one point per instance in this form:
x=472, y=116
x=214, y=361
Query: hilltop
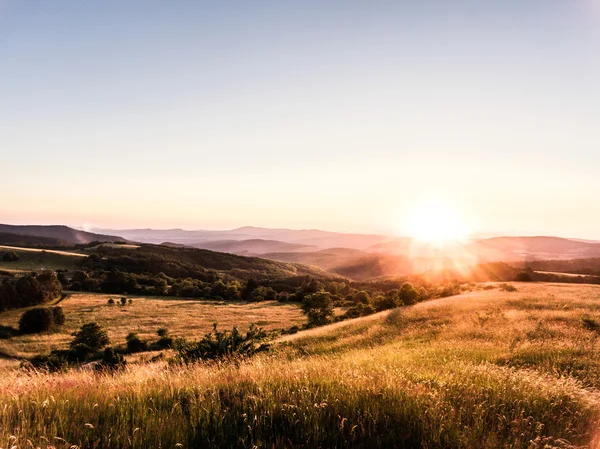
x=50, y=236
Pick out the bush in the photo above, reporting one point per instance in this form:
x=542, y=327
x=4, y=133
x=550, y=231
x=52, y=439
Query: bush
x=165, y=341
x=36, y=320
x=359, y=310
x=7, y=332
x=386, y=302
x=508, y=288
x=590, y=324
x=58, y=315
x=111, y=361
x=134, y=343
x=111, y=302
x=225, y=345
x=524, y=276
x=123, y=301
x=92, y=336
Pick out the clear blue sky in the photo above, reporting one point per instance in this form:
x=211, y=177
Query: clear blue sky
x=331, y=114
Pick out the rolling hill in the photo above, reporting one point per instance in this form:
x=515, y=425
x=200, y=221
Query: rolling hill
x=182, y=262
x=253, y=246
x=304, y=237
x=54, y=235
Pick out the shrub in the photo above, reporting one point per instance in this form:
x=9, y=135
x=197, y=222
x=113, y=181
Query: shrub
x=91, y=335
x=524, y=276
x=111, y=361
x=7, y=332
x=165, y=341
x=36, y=320
x=359, y=310
x=123, y=301
x=292, y=330
x=590, y=324
x=111, y=302
x=224, y=345
x=508, y=288
x=58, y=316
x=134, y=343
x=386, y=302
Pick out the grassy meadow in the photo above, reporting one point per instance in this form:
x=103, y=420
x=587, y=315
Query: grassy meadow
x=183, y=317
x=486, y=369
x=31, y=259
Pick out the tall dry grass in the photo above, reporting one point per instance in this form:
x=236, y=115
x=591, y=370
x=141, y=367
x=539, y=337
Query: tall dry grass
x=449, y=373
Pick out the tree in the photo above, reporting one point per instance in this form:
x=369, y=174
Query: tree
x=36, y=320
x=362, y=297
x=29, y=291
x=50, y=285
x=318, y=308
x=91, y=335
x=8, y=295
x=408, y=294
x=251, y=285
x=134, y=343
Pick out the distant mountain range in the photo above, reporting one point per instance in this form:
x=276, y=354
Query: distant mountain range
x=54, y=235
x=356, y=256
x=305, y=237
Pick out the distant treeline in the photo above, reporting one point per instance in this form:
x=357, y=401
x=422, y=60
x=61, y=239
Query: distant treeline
x=590, y=267
x=29, y=290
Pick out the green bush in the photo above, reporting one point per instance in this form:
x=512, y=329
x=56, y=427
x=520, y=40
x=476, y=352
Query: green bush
x=165, y=340
x=92, y=336
x=222, y=345
x=134, y=343
x=111, y=361
x=36, y=320
x=359, y=310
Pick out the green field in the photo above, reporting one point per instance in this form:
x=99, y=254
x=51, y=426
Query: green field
x=487, y=369
x=31, y=259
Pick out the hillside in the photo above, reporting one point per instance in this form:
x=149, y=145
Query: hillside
x=497, y=249
x=31, y=259
x=182, y=262
x=55, y=235
x=304, y=237
x=351, y=263
x=487, y=369
x=252, y=246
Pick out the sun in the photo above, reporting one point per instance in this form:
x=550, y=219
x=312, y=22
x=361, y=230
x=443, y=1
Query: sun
x=436, y=222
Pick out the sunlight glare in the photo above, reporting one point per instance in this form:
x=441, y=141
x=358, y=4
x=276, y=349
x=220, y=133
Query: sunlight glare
x=437, y=223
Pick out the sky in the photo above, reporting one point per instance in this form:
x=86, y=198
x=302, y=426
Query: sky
x=339, y=115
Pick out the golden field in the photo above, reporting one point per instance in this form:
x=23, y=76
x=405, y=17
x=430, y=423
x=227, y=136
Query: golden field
x=486, y=369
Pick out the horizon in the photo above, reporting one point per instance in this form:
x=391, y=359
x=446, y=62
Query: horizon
x=477, y=236
x=342, y=116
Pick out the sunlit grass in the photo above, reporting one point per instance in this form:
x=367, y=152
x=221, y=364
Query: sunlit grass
x=485, y=369
x=183, y=318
